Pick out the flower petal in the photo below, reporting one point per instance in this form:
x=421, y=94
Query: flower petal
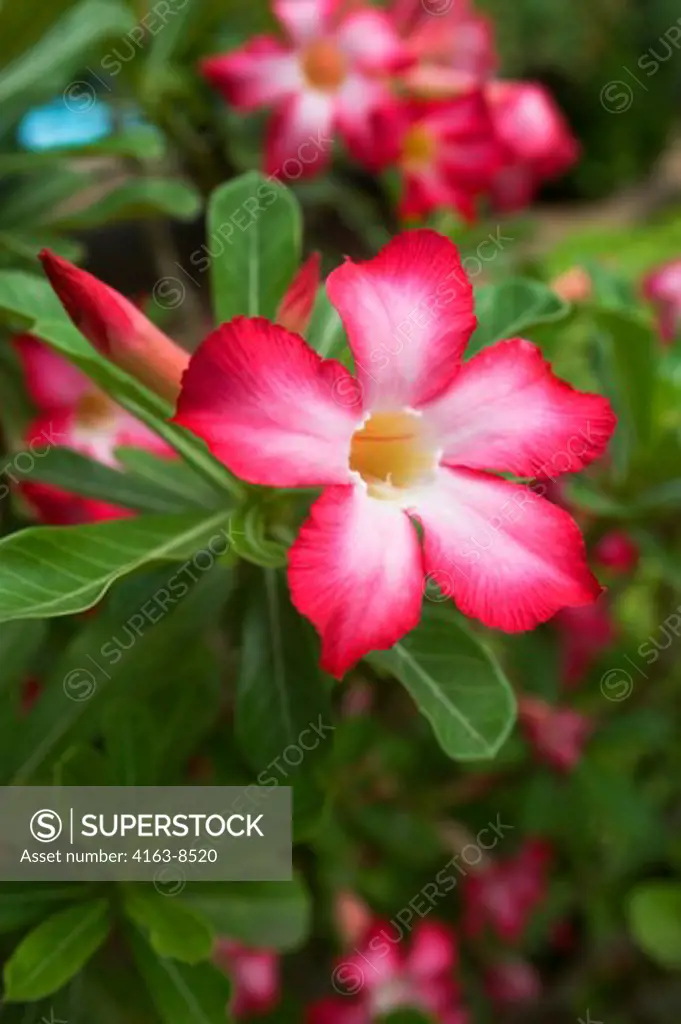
x=506, y=411
x=52, y=381
x=408, y=314
x=433, y=950
x=370, y=40
x=259, y=73
x=337, y=1010
x=506, y=556
x=300, y=136
x=269, y=407
x=355, y=571
x=295, y=309
x=304, y=19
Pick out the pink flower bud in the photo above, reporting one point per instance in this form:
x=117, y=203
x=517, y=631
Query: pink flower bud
x=116, y=328
x=296, y=307
x=617, y=551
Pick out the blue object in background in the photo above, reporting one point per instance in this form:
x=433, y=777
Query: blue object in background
x=74, y=120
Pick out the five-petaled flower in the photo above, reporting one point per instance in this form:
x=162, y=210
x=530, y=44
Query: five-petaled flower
x=416, y=437
x=74, y=413
x=327, y=78
x=505, y=893
x=382, y=975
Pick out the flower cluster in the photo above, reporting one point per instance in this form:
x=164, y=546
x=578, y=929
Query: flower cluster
x=404, y=88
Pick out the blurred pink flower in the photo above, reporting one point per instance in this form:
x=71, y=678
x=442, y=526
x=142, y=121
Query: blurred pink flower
x=446, y=152
x=537, y=140
x=452, y=45
x=512, y=981
x=327, y=78
x=585, y=633
x=618, y=551
x=558, y=735
x=662, y=287
x=383, y=975
x=74, y=414
x=504, y=893
x=255, y=976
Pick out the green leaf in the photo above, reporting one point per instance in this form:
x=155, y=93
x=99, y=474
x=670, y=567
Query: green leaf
x=182, y=994
x=282, y=712
x=326, y=333
x=172, y=477
x=253, y=246
x=511, y=309
x=250, y=539
x=272, y=914
x=173, y=929
x=456, y=683
x=78, y=474
x=58, y=570
x=19, y=644
x=115, y=661
x=654, y=913
x=22, y=903
x=63, y=50
x=134, y=199
x=55, y=951
x=631, y=355
x=27, y=301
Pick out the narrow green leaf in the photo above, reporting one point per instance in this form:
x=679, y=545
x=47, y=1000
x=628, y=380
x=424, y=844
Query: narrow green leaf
x=173, y=929
x=76, y=473
x=511, y=309
x=182, y=994
x=282, y=714
x=23, y=903
x=58, y=570
x=654, y=913
x=631, y=352
x=253, y=246
x=456, y=683
x=326, y=333
x=135, y=199
x=55, y=951
x=64, y=48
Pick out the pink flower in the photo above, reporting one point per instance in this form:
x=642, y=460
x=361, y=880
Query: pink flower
x=585, y=633
x=328, y=78
x=296, y=307
x=536, y=138
x=513, y=981
x=557, y=734
x=413, y=436
x=617, y=551
x=662, y=287
x=255, y=975
x=452, y=45
x=382, y=975
x=447, y=153
x=75, y=414
x=116, y=328
x=505, y=893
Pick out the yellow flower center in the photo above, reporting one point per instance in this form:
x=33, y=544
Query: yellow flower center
x=324, y=66
x=419, y=147
x=94, y=408
x=390, y=452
